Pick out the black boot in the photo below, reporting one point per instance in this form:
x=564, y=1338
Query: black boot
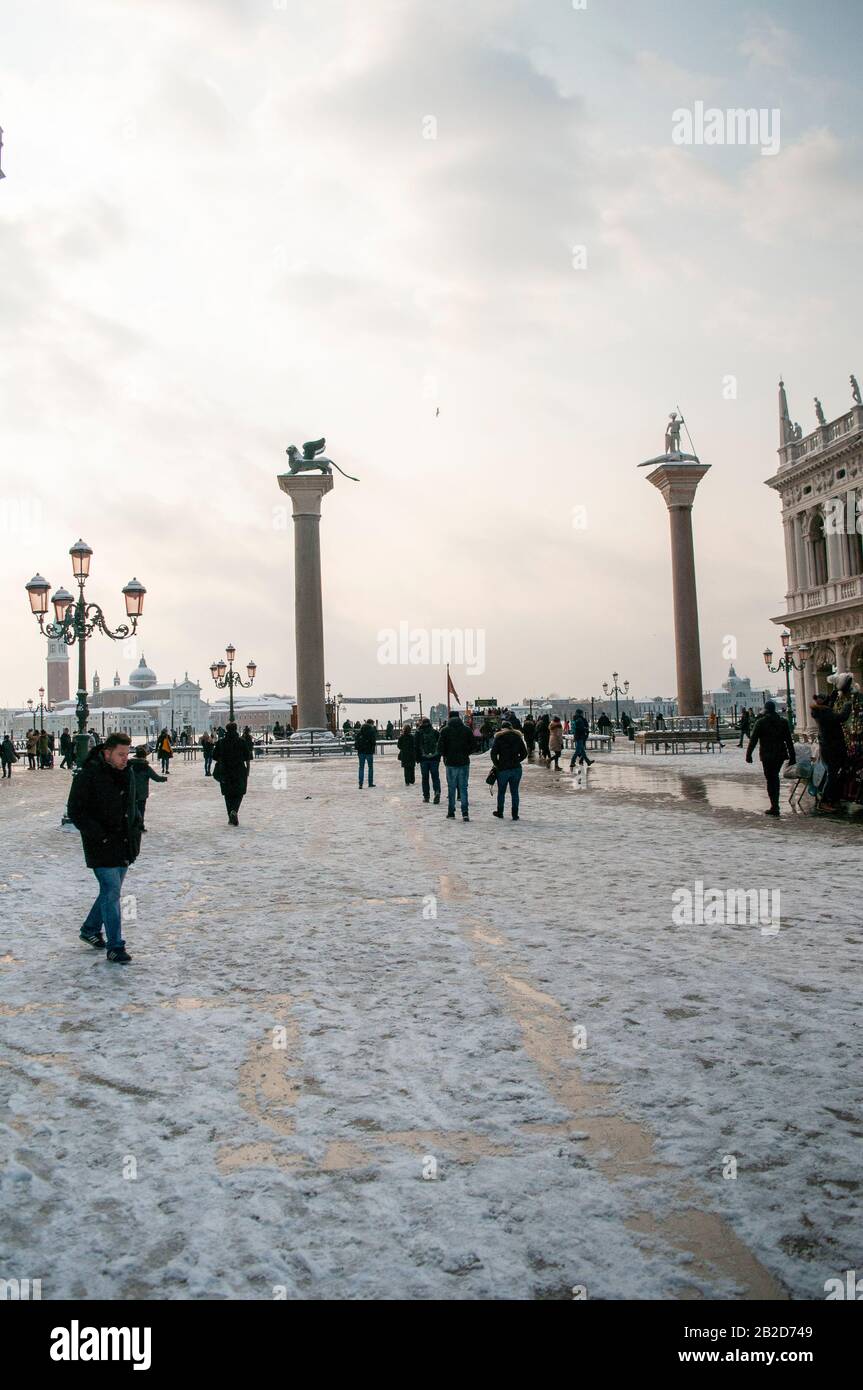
x=119, y=955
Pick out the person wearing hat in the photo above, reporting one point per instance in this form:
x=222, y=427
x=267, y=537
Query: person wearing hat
x=143, y=775
x=508, y=752
x=831, y=743
x=580, y=731
x=772, y=737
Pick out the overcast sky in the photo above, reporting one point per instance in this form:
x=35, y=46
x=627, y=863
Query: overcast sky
x=224, y=228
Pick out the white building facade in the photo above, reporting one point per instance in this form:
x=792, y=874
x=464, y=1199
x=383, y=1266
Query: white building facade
x=820, y=481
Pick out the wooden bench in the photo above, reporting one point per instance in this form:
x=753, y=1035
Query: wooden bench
x=678, y=740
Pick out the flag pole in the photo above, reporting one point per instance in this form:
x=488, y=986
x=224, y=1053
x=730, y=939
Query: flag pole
x=447, y=690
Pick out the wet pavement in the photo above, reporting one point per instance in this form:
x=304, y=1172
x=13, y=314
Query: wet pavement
x=723, y=792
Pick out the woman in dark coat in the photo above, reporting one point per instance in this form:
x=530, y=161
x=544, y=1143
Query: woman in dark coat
x=8, y=756
x=143, y=775
x=408, y=754
x=232, y=770
x=831, y=744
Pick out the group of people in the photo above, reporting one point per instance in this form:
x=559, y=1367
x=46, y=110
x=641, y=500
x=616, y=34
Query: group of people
x=838, y=719
x=454, y=744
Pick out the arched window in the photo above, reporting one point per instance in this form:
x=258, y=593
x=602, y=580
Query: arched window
x=818, y=549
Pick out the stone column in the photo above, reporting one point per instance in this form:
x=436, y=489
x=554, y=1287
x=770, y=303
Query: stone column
x=306, y=490
x=790, y=557
x=677, y=483
x=800, y=546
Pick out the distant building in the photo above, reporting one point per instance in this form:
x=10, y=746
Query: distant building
x=738, y=692
x=260, y=712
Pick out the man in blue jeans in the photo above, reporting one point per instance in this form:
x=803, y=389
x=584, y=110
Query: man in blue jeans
x=365, y=743
x=455, y=744
x=103, y=806
x=508, y=752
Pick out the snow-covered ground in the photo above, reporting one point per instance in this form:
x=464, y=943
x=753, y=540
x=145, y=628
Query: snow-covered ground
x=347, y=1060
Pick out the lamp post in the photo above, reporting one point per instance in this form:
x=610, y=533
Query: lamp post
x=787, y=664
x=76, y=620
x=328, y=687
x=616, y=690
x=227, y=682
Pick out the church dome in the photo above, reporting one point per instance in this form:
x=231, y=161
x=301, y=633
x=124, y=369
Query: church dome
x=142, y=676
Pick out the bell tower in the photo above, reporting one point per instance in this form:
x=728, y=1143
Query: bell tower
x=57, y=684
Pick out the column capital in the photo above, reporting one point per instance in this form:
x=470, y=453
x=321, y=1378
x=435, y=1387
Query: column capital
x=306, y=491
x=678, y=481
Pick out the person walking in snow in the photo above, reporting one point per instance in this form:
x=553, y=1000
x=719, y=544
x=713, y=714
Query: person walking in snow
x=428, y=757
x=508, y=752
x=772, y=737
x=529, y=732
x=207, y=752
x=365, y=743
x=165, y=751
x=745, y=726
x=143, y=775
x=456, y=744
x=232, y=771
x=408, y=754
x=103, y=807
x=555, y=742
x=8, y=756
x=580, y=732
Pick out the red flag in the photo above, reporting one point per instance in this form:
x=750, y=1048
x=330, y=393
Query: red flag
x=450, y=688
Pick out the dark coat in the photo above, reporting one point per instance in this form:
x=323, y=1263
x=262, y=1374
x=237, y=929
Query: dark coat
x=366, y=740
x=232, y=768
x=249, y=744
x=831, y=739
x=456, y=743
x=7, y=751
x=530, y=730
x=580, y=727
x=103, y=805
x=772, y=737
x=426, y=741
x=66, y=744
x=144, y=775
x=745, y=722
x=407, y=750
x=507, y=750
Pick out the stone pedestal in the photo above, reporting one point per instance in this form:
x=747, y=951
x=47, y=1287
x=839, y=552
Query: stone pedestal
x=306, y=490
x=677, y=480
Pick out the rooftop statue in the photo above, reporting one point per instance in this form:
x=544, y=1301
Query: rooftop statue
x=312, y=458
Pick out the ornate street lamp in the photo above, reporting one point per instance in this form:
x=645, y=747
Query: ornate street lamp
x=616, y=690
x=227, y=682
x=76, y=620
x=787, y=664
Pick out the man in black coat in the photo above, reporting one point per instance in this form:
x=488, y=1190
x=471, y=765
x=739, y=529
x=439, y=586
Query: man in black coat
x=428, y=757
x=232, y=770
x=67, y=748
x=103, y=806
x=772, y=737
x=365, y=743
x=530, y=733
x=456, y=743
x=508, y=752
